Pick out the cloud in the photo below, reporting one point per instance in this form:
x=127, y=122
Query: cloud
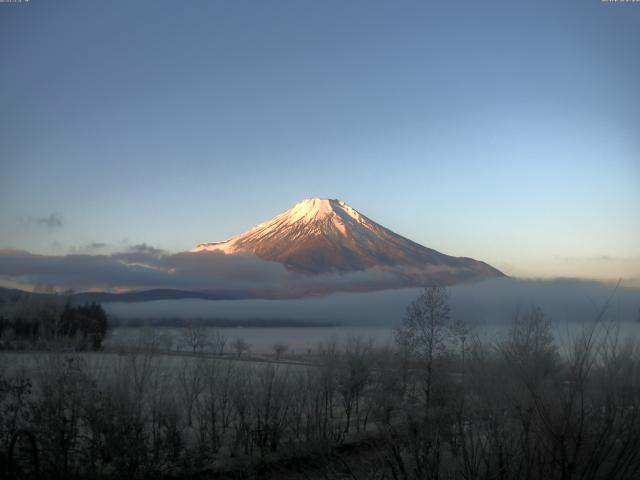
x=96, y=246
x=142, y=266
x=52, y=221
x=597, y=258
x=87, y=247
x=141, y=253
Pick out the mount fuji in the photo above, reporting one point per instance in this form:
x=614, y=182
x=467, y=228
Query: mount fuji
x=320, y=236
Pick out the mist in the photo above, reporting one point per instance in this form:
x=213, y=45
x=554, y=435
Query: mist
x=487, y=302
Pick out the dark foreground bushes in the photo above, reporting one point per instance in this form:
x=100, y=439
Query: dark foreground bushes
x=440, y=404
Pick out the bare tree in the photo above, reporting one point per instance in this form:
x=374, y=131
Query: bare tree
x=218, y=342
x=270, y=407
x=240, y=396
x=214, y=404
x=279, y=349
x=325, y=387
x=530, y=346
x=195, y=337
x=191, y=378
x=240, y=346
x=354, y=377
x=427, y=332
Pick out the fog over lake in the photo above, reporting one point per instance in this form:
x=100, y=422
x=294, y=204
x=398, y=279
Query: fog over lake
x=488, y=302
x=306, y=340
x=487, y=308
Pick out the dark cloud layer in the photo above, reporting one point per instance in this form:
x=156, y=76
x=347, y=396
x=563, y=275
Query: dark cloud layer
x=140, y=267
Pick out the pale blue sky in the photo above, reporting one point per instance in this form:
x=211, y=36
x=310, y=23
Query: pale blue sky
x=505, y=131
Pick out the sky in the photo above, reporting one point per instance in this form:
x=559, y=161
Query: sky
x=503, y=131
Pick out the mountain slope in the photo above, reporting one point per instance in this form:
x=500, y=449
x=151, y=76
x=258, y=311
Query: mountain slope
x=322, y=236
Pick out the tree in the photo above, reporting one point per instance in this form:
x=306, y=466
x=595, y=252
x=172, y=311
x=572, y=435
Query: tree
x=240, y=346
x=195, y=337
x=427, y=331
x=218, y=342
x=191, y=378
x=529, y=346
x=32, y=317
x=353, y=377
x=88, y=322
x=279, y=349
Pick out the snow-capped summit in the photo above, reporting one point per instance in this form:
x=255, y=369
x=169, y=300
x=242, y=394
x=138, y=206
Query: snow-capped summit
x=321, y=235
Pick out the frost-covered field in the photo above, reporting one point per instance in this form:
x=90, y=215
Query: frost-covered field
x=305, y=341
x=104, y=364
x=299, y=341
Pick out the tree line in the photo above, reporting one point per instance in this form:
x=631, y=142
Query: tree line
x=33, y=322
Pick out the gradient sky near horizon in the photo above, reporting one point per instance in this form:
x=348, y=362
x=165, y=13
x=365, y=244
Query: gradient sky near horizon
x=508, y=131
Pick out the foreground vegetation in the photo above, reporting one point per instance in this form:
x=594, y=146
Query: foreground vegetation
x=438, y=404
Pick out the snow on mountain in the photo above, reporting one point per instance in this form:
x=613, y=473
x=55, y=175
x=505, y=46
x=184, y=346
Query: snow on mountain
x=326, y=235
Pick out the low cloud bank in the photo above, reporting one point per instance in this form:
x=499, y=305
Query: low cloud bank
x=142, y=267
x=139, y=267
x=563, y=300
